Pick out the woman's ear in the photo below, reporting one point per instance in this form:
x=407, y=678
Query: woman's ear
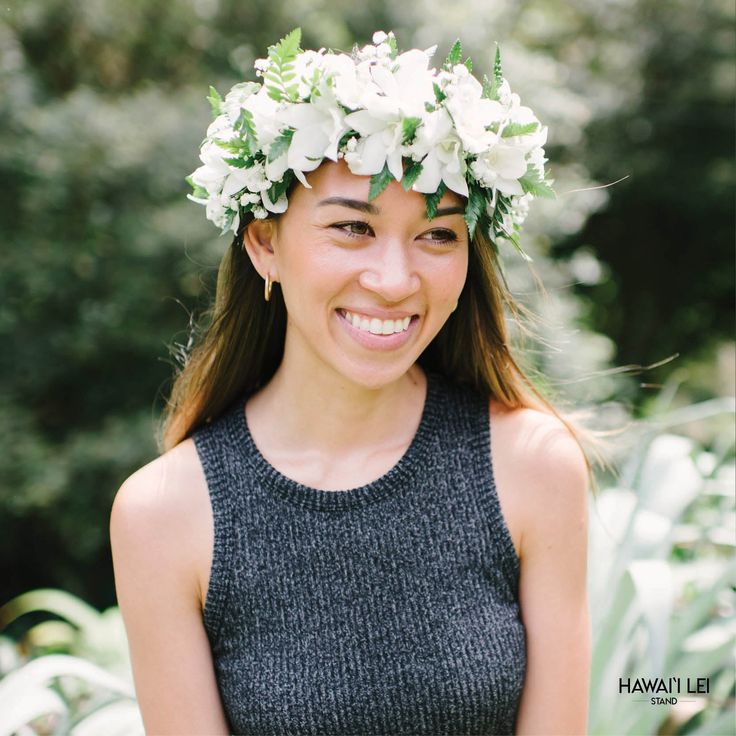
x=258, y=239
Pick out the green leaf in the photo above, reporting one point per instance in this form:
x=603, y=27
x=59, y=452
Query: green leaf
x=391, y=41
x=278, y=188
x=411, y=174
x=215, y=101
x=286, y=50
x=409, y=129
x=475, y=208
x=532, y=184
x=280, y=144
x=497, y=72
x=439, y=95
x=236, y=146
x=519, y=129
x=454, y=56
x=432, y=200
x=379, y=182
x=469, y=64
x=490, y=89
x=245, y=123
x=281, y=70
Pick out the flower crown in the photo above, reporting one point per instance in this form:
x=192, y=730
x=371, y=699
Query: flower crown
x=389, y=116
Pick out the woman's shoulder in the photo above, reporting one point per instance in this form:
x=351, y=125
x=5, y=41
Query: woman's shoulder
x=164, y=506
x=540, y=470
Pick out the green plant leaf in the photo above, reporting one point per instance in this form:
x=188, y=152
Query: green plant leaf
x=432, y=200
x=409, y=129
x=490, y=89
x=439, y=95
x=513, y=129
x=455, y=55
x=411, y=174
x=245, y=123
x=532, y=184
x=215, y=101
x=281, y=70
x=280, y=145
x=497, y=71
x=379, y=182
x=476, y=206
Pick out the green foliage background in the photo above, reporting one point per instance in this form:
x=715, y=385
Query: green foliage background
x=103, y=260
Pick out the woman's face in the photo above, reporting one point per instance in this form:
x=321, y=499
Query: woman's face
x=367, y=285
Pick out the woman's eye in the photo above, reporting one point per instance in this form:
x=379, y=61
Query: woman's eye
x=354, y=229
x=442, y=236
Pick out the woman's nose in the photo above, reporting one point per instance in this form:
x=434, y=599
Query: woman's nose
x=391, y=273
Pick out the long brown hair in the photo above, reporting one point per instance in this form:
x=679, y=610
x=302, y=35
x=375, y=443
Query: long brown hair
x=242, y=344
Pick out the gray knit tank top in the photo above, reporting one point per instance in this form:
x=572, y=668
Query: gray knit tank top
x=391, y=608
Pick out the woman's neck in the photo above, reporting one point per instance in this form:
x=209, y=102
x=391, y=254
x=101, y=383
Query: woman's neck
x=326, y=413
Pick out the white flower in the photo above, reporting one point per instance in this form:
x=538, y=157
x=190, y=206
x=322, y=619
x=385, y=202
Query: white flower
x=235, y=100
x=397, y=95
x=318, y=127
x=278, y=206
x=350, y=81
x=265, y=120
x=500, y=167
x=211, y=175
x=444, y=159
x=252, y=178
x=471, y=112
x=379, y=37
x=218, y=208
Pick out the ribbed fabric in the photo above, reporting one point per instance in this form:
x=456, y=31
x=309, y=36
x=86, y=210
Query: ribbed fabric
x=391, y=608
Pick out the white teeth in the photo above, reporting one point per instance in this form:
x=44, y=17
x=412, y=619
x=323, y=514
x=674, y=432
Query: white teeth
x=377, y=326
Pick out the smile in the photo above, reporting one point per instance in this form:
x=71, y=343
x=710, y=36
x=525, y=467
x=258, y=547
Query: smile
x=374, y=325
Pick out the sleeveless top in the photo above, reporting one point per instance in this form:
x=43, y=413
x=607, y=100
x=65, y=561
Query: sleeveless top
x=391, y=608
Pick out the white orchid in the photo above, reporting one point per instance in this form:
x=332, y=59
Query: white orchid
x=440, y=149
x=317, y=127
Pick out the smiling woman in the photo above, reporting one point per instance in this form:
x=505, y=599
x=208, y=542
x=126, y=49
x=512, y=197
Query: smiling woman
x=365, y=519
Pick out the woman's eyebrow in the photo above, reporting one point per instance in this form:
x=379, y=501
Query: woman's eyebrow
x=368, y=208
x=456, y=210
x=355, y=204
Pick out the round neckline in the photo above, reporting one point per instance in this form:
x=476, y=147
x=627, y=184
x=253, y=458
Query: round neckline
x=299, y=494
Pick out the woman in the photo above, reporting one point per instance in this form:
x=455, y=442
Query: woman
x=330, y=542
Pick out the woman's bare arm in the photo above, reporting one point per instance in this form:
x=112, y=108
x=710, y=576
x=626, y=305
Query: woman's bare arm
x=553, y=592
x=161, y=535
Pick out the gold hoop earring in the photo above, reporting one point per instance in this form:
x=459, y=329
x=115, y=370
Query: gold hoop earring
x=267, y=287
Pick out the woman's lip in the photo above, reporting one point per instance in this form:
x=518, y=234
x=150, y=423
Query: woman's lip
x=372, y=314
x=378, y=342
